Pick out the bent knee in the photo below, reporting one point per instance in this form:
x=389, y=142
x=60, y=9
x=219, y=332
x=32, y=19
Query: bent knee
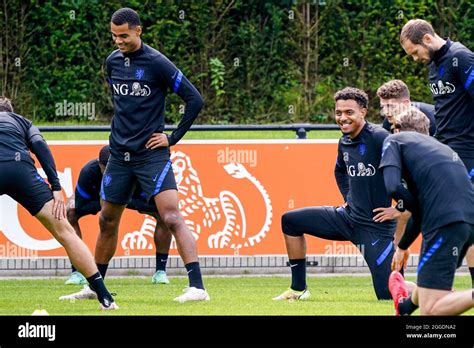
x=108, y=223
x=173, y=221
x=63, y=230
x=107, y=218
x=287, y=225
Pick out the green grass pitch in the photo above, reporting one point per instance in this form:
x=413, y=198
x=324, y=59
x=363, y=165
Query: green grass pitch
x=249, y=295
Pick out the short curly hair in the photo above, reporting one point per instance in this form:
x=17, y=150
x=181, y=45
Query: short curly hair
x=352, y=93
x=393, y=89
x=413, y=120
x=126, y=15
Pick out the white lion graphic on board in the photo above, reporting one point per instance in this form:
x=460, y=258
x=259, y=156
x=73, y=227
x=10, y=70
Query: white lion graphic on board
x=224, y=216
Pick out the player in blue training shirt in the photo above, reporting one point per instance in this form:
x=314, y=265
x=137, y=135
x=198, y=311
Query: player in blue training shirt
x=140, y=77
x=440, y=196
x=362, y=186
x=451, y=81
x=394, y=98
x=20, y=180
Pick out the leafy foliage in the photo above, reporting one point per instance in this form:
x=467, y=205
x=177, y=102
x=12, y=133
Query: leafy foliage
x=253, y=61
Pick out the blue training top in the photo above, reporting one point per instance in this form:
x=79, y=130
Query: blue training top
x=140, y=81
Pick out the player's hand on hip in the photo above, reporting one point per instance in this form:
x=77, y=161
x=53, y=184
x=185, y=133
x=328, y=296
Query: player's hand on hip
x=400, y=259
x=157, y=140
x=59, y=208
x=386, y=214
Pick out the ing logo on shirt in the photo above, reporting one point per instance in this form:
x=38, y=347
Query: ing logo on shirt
x=362, y=170
x=441, y=88
x=136, y=90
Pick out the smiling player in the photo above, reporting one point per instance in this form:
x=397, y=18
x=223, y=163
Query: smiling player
x=362, y=186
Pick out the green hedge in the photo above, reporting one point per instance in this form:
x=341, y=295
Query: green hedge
x=253, y=61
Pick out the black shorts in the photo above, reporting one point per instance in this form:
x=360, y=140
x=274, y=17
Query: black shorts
x=84, y=206
x=334, y=224
x=138, y=202
x=154, y=175
x=141, y=204
x=20, y=180
x=443, y=252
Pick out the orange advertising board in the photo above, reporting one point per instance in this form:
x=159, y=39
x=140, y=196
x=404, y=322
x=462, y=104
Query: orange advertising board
x=232, y=195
